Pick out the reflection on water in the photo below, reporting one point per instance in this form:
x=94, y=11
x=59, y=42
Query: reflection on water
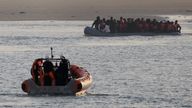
x=134, y=71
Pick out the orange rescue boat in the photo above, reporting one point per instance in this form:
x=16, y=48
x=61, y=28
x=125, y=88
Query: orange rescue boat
x=78, y=82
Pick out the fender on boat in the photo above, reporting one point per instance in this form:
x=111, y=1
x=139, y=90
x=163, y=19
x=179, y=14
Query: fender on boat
x=82, y=78
x=25, y=86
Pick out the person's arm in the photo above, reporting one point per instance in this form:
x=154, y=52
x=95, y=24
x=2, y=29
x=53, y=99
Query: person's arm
x=179, y=28
x=93, y=24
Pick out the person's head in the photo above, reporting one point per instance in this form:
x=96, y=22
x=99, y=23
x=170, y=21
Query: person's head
x=107, y=22
x=39, y=62
x=176, y=21
x=62, y=57
x=104, y=20
x=142, y=19
x=98, y=18
x=121, y=18
x=111, y=18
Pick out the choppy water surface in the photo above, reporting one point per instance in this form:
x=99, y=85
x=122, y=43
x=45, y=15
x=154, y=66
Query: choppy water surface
x=134, y=71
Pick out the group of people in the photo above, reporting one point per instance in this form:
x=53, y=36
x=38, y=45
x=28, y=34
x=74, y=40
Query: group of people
x=131, y=25
x=44, y=73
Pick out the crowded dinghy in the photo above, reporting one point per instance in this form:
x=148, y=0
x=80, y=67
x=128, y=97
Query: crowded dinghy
x=131, y=26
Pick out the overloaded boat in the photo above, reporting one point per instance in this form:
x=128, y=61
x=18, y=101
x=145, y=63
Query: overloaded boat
x=132, y=26
x=73, y=81
x=90, y=31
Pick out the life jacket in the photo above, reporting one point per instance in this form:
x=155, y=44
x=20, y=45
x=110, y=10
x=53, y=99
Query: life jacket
x=47, y=80
x=162, y=27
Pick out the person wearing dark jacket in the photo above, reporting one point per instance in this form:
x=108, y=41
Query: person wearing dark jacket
x=62, y=73
x=96, y=23
x=49, y=77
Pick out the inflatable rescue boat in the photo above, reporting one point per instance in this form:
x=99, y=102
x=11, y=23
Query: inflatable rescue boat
x=78, y=81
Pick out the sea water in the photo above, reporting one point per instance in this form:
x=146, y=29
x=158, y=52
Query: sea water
x=128, y=72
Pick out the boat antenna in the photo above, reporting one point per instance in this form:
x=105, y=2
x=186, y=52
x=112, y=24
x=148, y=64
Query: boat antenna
x=52, y=53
